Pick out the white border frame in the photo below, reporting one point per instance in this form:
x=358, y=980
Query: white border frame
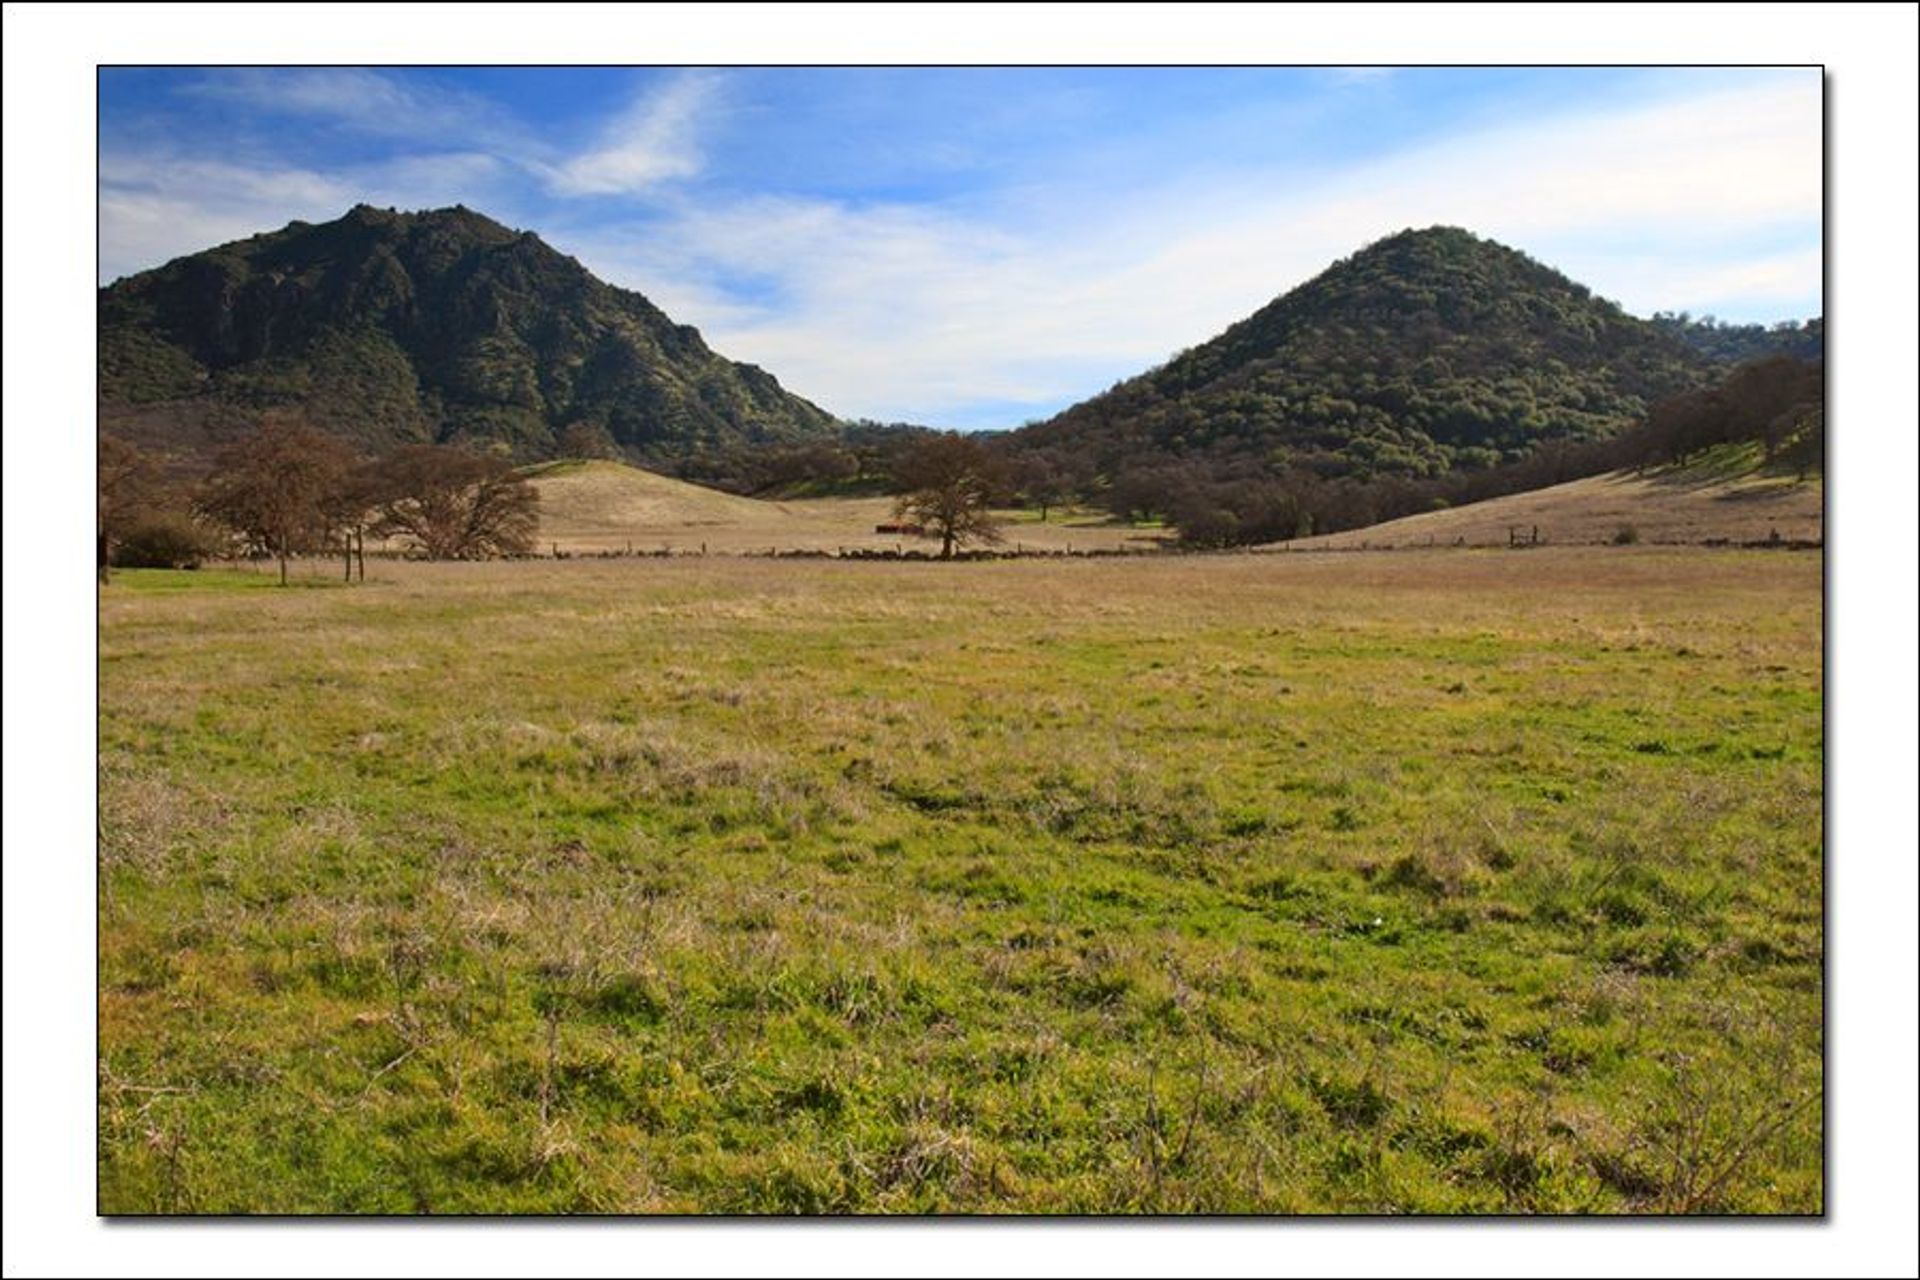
x=50, y=55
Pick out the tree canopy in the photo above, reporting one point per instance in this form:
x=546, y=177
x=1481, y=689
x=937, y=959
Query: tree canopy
x=274, y=488
x=441, y=326
x=1427, y=352
x=455, y=504
x=948, y=483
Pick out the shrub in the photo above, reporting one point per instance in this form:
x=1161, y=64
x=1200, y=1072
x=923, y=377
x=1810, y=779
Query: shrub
x=166, y=540
x=1625, y=536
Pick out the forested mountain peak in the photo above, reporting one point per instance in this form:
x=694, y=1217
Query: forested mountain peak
x=388, y=326
x=1426, y=351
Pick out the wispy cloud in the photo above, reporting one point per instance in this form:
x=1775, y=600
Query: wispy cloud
x=372, y=102
x=1777, y=285
x=158, y=206
x=159, y=203
x=652, y=141
x=901, y=311
x=995, y=302
x=1358, y=75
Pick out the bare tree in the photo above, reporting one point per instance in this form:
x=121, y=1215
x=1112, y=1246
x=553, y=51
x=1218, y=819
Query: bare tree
x=948, y=484
x=351, y=508
x=125, y=476
x=274, y=488
x=454, y=504
x=1040, y=480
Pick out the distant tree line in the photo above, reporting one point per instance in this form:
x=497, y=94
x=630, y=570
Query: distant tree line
x=1233, y=500
x=289, y=489
x=861, y=457
x=1739, y=343
x=1210, y=498
x=1424, y=354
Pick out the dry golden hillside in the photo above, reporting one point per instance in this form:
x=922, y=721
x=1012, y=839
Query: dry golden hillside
x=588, y=507
x=1682, y=507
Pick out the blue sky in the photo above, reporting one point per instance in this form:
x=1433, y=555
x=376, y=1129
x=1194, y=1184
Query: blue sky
x=976, y=247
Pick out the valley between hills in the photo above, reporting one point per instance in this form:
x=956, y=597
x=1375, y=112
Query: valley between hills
x=541, y=872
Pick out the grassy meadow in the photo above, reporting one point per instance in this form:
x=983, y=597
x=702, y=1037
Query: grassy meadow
x=1729, y=496
x=589, y=508
x=1415, y=882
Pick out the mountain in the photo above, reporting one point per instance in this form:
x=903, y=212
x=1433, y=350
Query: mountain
x=389, y=327
x=1424, y=352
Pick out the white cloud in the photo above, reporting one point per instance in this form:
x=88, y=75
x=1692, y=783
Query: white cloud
x=651, y=142
x=1774, y=286
x=155, y=207
x=894, y=311
x=927, y=312
x=1358, y=75
x=159, y=204
x=871, y=311
x=371, y=102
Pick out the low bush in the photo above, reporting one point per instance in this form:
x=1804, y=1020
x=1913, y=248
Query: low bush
x=167, y=540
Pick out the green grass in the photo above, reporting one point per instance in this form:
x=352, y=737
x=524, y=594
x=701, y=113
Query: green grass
x=262, y=576
x=1723, y=464
x=1487, y=883
x=1066, y=514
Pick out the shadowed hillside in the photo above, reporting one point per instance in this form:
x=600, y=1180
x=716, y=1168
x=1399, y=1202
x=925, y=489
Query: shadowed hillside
x=1721, y=499
x=1424, y=352
x=389, y=327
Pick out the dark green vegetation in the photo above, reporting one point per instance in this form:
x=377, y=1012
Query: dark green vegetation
x=1432, y=366
x=390, y=328
x=1450, y=882
x=1739, y=343
x=862, y=460
x=1425, y=352
x=1776, y=404
x=1429, y=370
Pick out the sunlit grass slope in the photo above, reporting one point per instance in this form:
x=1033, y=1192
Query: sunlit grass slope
x=1467, y=882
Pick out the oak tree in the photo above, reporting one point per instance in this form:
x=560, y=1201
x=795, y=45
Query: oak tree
x=125, y=477
x=455, y=504
x=948, y=485
x=274, y=487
